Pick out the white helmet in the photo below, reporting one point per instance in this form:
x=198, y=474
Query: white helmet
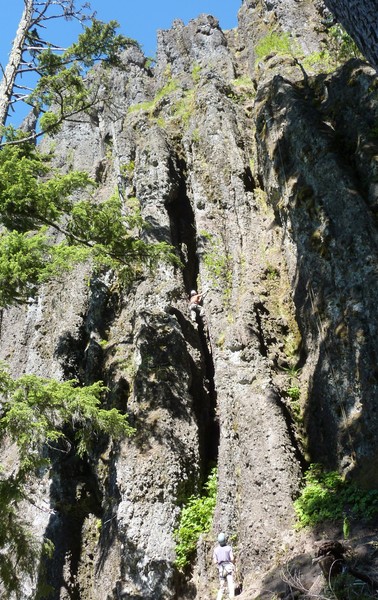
x=222, y=539
x=193, y=293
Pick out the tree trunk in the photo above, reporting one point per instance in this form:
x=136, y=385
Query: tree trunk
x=7, y=83
x=360, y=19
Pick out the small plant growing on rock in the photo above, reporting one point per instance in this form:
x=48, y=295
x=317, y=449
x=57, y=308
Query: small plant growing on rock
x=339, y=48
x=342, y=45
x=127, y=170
x=196, y=518
x=218, y=263
x=326, y=496
x=184, y=108
x=294, y=393
x=277, y=43
x=196, y=135
x=196, y=73
x=151, y=105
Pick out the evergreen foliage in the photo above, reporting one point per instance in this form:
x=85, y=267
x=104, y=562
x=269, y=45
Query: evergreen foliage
x=35, y=410
x=40, y=415
x=196, y=518
x=35, y=199
x=19, y=549
x=62, y=89
x=63, y=84
x=38, y=204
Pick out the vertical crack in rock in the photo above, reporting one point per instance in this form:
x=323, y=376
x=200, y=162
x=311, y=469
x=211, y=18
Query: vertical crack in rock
x=211, y=432
x=259, y=309
x=183, y=231
x=72, y=528
x=75, y=495
x=266, y=185
x=184, y=238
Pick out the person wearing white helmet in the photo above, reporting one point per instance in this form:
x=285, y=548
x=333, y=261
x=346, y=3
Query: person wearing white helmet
x=224, y=559
x=195, y=305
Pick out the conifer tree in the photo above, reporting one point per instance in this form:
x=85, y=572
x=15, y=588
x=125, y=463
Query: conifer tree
x=57, y=72
x=42, y=416
x=33, y=198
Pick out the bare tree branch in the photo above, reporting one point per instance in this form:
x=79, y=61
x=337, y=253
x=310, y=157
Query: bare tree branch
x=27, y=41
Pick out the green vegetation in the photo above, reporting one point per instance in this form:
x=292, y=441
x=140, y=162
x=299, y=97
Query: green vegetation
x=320, y=61
x=150, y=62
x=342, y=45
x=196, y=135
x=292, y=341
x=42, y=419
x=180, y=110
x=292, y=373
x=260, y=196
x=244, y=81
x=61, y=90
x=277, y=43
x=183, y=108
x=170, y=87
x=294, y=393
x=40, y=415
x=272, y=272
x=243, y=89
x=196, y=73
x=218, y=264
x=127, y=170
x=151, y=105
x=196, y=518
x=34, y=198
x=338, y=48
x=34, y=410
x=346, y=528
x=43, y=416
x=326, y=496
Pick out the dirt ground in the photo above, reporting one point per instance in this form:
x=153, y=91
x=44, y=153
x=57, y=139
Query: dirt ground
x=306, y=575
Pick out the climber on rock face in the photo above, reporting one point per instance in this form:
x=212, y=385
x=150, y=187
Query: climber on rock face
x=195, y=305
x=224, y=559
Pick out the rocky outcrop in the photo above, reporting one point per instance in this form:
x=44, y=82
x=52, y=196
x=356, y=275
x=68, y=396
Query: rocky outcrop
x=301, y=19
x=360, y=20
x=324, y=204
x=263, y=178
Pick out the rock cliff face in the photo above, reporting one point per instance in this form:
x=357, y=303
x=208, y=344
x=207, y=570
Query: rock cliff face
x=361, y=21
x=262, y=174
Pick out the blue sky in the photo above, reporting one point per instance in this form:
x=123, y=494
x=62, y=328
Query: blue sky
x=138, y=19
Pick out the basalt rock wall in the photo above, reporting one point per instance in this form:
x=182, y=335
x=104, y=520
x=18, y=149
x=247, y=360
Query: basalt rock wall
x=262, y=175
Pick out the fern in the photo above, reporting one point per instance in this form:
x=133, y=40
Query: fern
x=196, y=518
x=326, y=496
